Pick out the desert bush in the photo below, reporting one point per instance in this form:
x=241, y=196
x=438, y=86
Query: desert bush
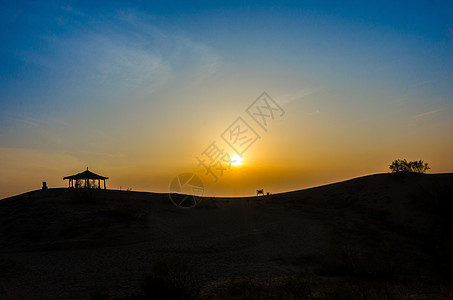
x=243, y=289
x=349, y=291
x=100, y=294
x=292, y=287
x=171, y=278
x=404, y=166
x=341, y=293
x=296, y=288
x=359, y=262
x=305, y=259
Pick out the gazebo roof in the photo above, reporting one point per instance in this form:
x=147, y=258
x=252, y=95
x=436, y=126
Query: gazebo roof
x=86, y=175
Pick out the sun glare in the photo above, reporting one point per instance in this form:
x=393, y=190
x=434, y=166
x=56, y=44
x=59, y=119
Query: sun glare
x=236, y=160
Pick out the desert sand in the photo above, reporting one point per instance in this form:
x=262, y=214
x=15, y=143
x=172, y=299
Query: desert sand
x=374, y=237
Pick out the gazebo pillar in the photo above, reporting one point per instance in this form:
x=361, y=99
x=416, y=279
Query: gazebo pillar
x=104, y=184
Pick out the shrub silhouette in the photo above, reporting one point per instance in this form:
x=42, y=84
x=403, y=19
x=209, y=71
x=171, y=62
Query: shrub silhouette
x=292, y=287
x=404, y=166
x=171, y=278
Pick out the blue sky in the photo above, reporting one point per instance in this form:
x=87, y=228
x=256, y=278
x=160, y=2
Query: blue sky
x=108, y=84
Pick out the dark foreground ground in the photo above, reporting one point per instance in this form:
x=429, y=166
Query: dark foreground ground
x=383, y=236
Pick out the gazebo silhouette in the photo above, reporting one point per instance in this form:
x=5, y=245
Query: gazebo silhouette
x=85, y=179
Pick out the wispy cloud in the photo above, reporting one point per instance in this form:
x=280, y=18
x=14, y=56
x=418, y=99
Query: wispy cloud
x=32, y=121
x=299, y=96
x=317, y=111
x=24, y=120
x=124, y=51
x=427, y=114
x=5, y=32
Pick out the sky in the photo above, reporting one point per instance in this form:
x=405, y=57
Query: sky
x=306, y=92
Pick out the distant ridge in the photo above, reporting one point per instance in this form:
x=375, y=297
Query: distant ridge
x=346, y=181
x=62, y=217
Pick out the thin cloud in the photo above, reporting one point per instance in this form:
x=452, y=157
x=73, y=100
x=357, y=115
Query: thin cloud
x=317, y=111
x=427, y=114
x=125, y=52
x=286, y=100
x=29, y=122
x=33, y=122
x=420, y=83
x=11, y=23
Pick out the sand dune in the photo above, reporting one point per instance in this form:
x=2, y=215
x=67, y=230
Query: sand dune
x=64, y=244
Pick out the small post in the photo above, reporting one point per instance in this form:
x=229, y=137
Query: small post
x=44, y=185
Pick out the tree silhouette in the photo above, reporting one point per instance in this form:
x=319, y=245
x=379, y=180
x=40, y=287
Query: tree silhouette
x=404, y=166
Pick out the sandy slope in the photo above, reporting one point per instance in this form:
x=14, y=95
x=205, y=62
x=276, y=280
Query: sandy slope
x=62, y=244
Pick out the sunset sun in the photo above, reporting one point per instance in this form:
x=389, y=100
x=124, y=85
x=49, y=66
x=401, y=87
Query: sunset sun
x=236, y=160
